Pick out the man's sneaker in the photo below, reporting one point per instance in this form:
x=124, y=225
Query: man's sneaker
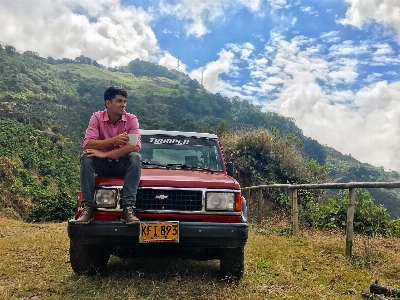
x=128, y=216
x=86, y=215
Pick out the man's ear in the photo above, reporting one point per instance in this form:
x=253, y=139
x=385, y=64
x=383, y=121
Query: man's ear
x=107, y=103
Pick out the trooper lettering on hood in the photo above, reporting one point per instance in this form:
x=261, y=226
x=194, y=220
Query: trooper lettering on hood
x=168, y=141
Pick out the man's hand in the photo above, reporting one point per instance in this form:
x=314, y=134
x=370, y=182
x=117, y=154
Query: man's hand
x=94, y=147
x=94, y=152
x=121, y=139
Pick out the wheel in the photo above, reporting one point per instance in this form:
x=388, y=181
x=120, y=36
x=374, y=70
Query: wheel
x=232, y=263
x=88, y=259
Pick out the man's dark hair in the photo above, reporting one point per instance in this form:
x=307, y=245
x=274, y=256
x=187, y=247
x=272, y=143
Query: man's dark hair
x=112, y=91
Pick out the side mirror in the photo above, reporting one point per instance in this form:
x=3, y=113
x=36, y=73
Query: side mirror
x=229, y=168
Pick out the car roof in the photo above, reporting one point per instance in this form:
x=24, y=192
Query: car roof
x=178, y=133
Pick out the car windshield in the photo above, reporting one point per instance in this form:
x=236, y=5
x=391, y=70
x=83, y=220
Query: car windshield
x=180, y=152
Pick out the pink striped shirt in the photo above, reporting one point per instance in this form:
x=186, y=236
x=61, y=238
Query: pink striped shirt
x=100, y=128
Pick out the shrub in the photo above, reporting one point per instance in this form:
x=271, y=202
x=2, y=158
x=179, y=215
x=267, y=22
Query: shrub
x=10, y=213
x=369, y=218
x=264, y=157
x=395, y=227
x=57, y=209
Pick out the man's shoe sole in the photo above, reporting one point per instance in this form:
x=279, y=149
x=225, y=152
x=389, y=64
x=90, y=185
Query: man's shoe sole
x=130, y=223
x=83, y=223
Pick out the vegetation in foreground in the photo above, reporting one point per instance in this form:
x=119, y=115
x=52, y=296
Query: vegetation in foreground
x=35, y=265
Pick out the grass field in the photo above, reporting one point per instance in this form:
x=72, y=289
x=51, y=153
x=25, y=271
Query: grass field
x=34, y=264
x=158, y=86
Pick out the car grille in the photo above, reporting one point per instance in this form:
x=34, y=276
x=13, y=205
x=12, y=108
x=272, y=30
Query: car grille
x=183, y=200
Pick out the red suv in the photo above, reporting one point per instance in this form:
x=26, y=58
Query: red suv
x=188, y=203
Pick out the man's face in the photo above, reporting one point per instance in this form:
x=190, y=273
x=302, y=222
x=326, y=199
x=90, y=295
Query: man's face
x=116, y=106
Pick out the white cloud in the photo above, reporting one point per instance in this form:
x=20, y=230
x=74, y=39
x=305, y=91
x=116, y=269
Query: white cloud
x=171, y=63
x=212, y=71
x=347, y=48
x=385, y=61
x=309, y=10
x=340, y=97
x=383, y=49
x=331, y=37
x=342, y=70
x=199, y=16
x=303, y=80
x=278, y=4
x=368, y=118
x=249, y=89
x=103, y=30
x=384, y=55
x=245, y=50
x=252, y=4
x=282, y=61
x=384, y=12
x=368, y=129
x=374, y=77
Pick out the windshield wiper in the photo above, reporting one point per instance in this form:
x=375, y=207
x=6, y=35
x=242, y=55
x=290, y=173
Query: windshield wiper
x=189, y=167
x=176, y=165
x=149, y=163
x=167, y=166
x=182, y=166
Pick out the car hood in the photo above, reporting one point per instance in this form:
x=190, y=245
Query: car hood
x=186, y=179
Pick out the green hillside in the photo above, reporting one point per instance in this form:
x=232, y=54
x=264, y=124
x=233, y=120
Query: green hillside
x=34, y=171
x=55, y=99
x=344, y=168
x=59, y=96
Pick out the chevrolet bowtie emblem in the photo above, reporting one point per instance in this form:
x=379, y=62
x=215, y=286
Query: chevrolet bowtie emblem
x=161, y=197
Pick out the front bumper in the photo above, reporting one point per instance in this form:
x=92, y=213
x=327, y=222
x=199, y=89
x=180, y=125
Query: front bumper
x=191, y=234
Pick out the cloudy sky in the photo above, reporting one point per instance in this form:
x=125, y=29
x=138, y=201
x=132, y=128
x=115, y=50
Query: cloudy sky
x=331, y=65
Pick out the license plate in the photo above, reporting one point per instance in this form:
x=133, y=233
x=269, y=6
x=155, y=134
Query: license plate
x=159, y=232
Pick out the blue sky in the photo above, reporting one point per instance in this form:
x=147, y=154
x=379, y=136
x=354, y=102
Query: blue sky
x=331, y=65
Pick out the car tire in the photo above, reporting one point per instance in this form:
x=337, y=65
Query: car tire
x=88, y=259
x=232, y=264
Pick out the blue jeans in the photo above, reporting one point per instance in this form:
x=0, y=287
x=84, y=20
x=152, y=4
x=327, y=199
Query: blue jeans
x=128, y=166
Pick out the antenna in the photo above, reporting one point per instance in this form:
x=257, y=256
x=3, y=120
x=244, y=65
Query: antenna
x=177, y=67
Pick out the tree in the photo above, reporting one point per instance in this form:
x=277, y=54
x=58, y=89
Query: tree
x=10, y=49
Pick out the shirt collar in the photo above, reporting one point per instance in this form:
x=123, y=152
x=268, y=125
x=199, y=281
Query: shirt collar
x=105, y=117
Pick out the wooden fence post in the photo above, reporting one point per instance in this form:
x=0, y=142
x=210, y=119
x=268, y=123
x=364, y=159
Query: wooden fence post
x=259, y=213
x=295, y=213
x=349, y=222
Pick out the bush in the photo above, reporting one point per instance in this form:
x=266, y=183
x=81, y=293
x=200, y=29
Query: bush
x=10, y=213
x=57, y=209
x=395, y=227
x=268, y=157
x=331, y=214
x=369, y=219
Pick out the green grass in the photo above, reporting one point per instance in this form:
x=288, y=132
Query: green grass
x=35, y=265
x=158, y=86
x=89, y=71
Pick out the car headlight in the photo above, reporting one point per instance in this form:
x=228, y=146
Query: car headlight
x=105, y=197
x=220, y=201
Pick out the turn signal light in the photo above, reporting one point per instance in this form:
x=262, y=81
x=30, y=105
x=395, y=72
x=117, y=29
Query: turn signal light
x=238, y=202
